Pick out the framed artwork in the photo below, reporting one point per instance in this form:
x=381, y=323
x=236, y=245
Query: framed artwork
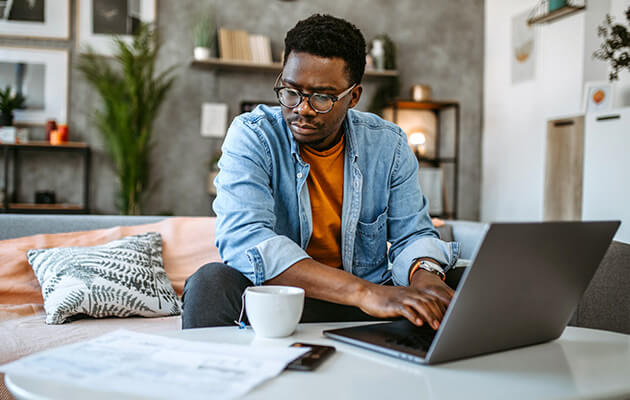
x=41, y=19
x=597, y=96
x=523, y=51
x=41, y=75
x=99, y=20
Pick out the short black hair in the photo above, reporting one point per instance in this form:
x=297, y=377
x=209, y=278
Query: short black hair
x=329, y=37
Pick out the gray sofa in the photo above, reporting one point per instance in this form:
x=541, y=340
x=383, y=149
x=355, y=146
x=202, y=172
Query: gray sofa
x=605, y=305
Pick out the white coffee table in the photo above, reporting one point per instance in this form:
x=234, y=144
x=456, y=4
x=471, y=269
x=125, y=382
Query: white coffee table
x=581, y=364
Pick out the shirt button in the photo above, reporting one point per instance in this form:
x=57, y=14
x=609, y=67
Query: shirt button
x=299, y=175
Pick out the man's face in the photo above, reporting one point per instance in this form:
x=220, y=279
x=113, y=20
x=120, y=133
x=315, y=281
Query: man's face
x=309, y=74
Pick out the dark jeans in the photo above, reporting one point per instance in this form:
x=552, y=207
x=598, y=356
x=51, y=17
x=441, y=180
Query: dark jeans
x=212, y=297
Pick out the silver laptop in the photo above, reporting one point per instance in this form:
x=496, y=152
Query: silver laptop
x=522, y=288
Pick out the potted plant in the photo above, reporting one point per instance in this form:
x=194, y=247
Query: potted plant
x=132, y=92
x=615, y=49
x=9, y=101
x=203, y=37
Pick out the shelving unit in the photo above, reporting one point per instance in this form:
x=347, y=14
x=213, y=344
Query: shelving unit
x=218, y=64
x=541, y=15
x=11, y=153
x=437, y=161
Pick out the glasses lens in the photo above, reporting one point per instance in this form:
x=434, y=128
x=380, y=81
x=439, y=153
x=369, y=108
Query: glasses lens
x=321, y=102
x=289, y=97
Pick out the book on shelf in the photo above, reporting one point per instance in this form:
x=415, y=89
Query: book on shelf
x=225, y=46
x=261, y=49
x=236, y=44
x=243, y=50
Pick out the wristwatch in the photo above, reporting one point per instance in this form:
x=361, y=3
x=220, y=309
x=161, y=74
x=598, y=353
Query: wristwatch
x=428, y=266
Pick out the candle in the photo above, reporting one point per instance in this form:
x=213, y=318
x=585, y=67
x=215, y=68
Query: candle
x=55, y=137
x=63, y=132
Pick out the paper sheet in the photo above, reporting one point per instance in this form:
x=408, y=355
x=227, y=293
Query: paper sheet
x=156, y=366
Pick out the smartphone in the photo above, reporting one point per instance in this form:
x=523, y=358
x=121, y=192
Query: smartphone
x=311, y=360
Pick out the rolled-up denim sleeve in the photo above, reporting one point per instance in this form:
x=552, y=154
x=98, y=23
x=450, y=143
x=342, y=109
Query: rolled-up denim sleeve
x=410, y=230
x=244, y=207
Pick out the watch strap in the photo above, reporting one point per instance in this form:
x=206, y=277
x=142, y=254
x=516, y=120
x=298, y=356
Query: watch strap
x=429, y=266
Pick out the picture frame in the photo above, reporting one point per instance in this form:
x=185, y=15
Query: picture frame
x=39, y=19
x=48, y=82
x=98, y=21
x=597, y=96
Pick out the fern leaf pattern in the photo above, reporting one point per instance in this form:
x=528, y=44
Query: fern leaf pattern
x=121, y=278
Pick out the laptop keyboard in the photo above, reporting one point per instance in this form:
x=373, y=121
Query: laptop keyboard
x=421, y=341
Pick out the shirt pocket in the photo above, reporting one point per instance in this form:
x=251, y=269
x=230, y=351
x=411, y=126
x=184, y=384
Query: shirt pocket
x=370, y=246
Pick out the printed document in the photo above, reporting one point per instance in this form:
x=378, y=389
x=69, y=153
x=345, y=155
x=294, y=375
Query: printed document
x=157, y=367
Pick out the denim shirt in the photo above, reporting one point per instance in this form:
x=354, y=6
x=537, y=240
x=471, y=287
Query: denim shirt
x=264, y=219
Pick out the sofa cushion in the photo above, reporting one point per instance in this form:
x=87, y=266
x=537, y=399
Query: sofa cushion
x=188, y=243
x=446, y=232
x=27, y=335
x=606, y=302
x=118, y=279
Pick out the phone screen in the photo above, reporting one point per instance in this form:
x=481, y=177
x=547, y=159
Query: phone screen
x=311, y=360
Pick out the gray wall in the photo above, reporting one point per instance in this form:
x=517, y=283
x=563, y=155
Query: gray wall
x=439, y=43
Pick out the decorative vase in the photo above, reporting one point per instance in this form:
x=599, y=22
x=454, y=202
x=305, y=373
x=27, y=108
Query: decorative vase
x=201, y=53
x=420, y=92
x=378, y=54
x=6, y=119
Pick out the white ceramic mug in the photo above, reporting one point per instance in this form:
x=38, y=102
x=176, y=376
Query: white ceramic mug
x=274, y=311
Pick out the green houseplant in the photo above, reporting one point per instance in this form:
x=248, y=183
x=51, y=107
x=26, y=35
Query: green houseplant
x=203, y=34
x=9, y=101
x=132, y=92
x=615, y=49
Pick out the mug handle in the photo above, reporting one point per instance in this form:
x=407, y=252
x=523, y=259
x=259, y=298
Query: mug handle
x=240, y=323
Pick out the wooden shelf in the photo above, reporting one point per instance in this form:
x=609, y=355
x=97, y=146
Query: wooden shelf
x=422, y=105
x=449, y=209
x=47, y=207
x=237, y=65
x=12, y=153
x=44, y=144
x=544, y=17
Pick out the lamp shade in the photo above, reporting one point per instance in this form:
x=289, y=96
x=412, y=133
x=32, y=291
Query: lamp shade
x=414, y=122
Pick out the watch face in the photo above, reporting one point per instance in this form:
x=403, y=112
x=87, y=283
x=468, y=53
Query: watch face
x=433, y=267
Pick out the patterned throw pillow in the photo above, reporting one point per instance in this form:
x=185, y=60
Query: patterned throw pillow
x=121, y=278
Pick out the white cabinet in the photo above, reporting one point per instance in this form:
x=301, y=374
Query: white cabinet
x=606, y=186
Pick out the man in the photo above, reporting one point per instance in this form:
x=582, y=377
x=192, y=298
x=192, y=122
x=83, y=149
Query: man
x=310, y=193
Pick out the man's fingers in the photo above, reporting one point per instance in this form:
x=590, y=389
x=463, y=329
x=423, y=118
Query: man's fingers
x=441, y=306
x=428, y=310
x=412, y=315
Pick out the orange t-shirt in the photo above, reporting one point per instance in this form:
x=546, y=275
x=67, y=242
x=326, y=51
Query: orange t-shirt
x=325, y=187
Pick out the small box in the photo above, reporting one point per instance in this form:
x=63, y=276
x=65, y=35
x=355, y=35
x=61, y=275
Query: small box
x=7, y=134
x=21, y=134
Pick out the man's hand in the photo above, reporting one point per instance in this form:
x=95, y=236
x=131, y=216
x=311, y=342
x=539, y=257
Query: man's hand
x=431, y=284
x=426, y=301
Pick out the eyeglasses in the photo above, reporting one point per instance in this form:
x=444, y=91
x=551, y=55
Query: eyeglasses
x=321, y=103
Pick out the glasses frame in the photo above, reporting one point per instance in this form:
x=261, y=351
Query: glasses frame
x=334, y=98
